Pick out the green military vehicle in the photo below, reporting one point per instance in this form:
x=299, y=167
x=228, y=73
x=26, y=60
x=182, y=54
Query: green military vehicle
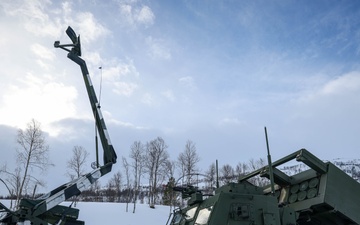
x=323, y=194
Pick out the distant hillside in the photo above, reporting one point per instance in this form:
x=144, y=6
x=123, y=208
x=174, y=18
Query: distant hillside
x=349, y=166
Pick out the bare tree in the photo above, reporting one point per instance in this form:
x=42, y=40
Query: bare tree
x=241, y=170
x=137, y=156
x=116, y=184
x=227, y=173
x=170, y=167
x=32, y=154
x=254, y=165
x=128, y=181
x=96, y=188
x=77, y=163
x=211, y=176
x=169, y=193
x=110, y=191
x=187, y=160
x=156, y=157
x=11, y=182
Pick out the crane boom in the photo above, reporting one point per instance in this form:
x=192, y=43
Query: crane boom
x=109, y=152
x=46, y=209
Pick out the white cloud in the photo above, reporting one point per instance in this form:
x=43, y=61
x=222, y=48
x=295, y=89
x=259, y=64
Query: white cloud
x=89, y=28
x=188, y=82
x=133, y=15
x=126, y=12
x=119, y=70
x=25, y=101
x=93, y=58
x=35, y=17
x=122, y=76
x=124, y=88
x=169, y=95
x=126, y=124
x=147, y=99
x=333, y=101
x=66, y=6
x=344, y=85
x=42, y=64
x=158, y=48
x=234, y=121
x=43, y=52
x=145, y=16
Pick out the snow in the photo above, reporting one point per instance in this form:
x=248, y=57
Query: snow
x=115, y=213
x=95, y=213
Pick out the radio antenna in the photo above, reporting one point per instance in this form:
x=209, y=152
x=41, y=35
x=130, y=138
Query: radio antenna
x=217, y=174
x=100, y=68
x=270, y=164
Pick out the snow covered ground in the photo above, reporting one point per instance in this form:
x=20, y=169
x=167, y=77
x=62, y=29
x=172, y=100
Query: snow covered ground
x=115, y=213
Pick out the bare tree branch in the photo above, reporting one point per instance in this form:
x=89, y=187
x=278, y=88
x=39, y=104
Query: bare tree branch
x=77, y=163
x=31, y=154
x=187, y=161
x=156, y=157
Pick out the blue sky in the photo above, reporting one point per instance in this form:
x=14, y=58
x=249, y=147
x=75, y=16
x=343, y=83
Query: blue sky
x=214, y=72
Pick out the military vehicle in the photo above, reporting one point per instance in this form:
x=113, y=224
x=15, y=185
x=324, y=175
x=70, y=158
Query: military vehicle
x=322, y=194
x=46, y=209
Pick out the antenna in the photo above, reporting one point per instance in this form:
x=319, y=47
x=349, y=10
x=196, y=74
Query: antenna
x=270, y=164
x=100, y=68
x=217, y=175
x=96, y=137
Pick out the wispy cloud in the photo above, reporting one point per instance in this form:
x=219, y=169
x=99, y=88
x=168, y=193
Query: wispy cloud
x=133, y=15
x=35, y=16
x=148, y=99
x=169, y=95
x=188, y=82
x=32, y=96
x=144, y=15
x=158, y=48
x=89, y=28
x=43, y=52
x=124, y=88
x=344, y=85
x=117, y=69
x=232, y=121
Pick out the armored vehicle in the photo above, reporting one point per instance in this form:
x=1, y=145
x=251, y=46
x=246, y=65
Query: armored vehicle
x=322, y=194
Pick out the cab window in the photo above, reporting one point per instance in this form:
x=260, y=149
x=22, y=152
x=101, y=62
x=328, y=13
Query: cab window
x=203, y=216
x=177, y=218
x=189, y=215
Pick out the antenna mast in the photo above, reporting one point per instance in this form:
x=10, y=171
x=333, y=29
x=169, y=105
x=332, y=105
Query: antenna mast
x=270, y=164
x=217, y=175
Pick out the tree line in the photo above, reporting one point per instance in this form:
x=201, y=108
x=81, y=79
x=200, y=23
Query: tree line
x=148, y=173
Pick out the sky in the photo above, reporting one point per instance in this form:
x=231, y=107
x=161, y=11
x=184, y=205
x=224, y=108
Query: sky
x=213, y=72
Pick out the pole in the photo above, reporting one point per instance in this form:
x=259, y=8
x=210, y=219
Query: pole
x=270, y=165
x=217, y=175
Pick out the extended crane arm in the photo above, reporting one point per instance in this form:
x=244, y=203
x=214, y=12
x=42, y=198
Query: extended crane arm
x=74, y=54
x=46, y=209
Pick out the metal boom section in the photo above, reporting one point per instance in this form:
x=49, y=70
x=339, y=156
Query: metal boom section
x=46, y=209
